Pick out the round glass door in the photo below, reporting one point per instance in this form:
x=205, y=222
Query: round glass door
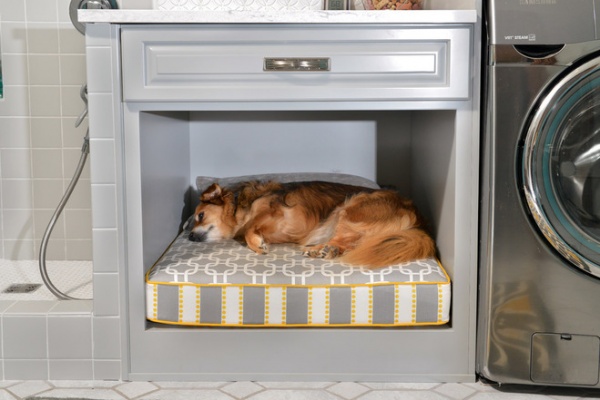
x=561, y=166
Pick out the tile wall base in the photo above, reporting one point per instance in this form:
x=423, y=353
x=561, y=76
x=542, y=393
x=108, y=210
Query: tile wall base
x=57, y=340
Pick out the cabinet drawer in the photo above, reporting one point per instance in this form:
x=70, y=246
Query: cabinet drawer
x=295, y=63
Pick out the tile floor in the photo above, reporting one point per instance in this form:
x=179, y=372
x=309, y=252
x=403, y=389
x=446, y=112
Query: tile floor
x=109, y=390
x=117, y=390
x=73, y=278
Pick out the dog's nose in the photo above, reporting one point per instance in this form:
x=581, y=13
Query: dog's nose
x=193, y=237
x=197, y=237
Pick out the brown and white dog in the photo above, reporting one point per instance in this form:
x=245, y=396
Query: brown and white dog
x=371, y=228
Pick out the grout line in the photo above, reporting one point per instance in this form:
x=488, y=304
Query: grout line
x=47, y=345
x=64, y=185
x=92, y=344
x=29, y=123
x=2, y=365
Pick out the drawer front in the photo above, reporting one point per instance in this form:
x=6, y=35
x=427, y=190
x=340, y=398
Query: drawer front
x=296, y=63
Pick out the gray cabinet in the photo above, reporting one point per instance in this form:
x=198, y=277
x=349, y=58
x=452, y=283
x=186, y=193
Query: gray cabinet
x=177, y=100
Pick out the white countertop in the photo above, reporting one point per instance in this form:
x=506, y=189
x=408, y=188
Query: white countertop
x=273, y=17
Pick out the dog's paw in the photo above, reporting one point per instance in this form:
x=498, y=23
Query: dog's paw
x=322, y=251
x=259, y=246
x=330, y=251
x=263, y=248
x=310, y=251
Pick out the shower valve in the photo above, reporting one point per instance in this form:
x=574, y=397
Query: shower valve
x=87, y=4
x=94, y=4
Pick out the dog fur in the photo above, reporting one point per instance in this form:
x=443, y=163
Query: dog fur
x=360, y=226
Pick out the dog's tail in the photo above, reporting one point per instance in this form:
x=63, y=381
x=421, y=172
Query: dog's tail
x=380, y=251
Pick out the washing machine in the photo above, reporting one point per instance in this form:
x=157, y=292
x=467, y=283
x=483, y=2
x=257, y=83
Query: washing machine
x=539, y=289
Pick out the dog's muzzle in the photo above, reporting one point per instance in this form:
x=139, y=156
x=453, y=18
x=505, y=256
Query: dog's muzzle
x=197, y=237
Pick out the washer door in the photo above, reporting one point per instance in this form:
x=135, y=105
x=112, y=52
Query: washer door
x=561, y=166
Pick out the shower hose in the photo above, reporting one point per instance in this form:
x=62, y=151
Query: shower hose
x=85, y=150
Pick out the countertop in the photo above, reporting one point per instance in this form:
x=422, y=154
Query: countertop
x=275, y=17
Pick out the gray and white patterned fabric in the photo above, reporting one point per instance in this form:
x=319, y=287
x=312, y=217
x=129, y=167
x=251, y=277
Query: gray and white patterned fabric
x=225, y=284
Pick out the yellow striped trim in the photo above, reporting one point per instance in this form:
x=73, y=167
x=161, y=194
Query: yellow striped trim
x=440, y=303
x=267, y=302
x=198, y=308
x=223, y=307
x=413, y=306
x=327, y=303
x=353, y=306
x=155, y=301
x=370, y=305
x=180, y=304
x=283, y=307
x=309, y=318
x=241, y=306
x=396, y=305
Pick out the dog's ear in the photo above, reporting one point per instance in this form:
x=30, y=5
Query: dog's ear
x=213, y=195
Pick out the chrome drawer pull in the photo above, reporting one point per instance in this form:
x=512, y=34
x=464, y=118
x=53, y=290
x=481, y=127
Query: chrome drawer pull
x=296, y=64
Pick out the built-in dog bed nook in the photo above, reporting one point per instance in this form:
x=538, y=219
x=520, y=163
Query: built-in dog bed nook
x=175, y=97
x=225, y=284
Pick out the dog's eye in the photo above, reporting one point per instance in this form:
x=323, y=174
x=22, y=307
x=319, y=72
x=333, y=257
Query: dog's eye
x=200, y=216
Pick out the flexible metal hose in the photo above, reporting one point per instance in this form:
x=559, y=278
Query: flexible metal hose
x=85, y=150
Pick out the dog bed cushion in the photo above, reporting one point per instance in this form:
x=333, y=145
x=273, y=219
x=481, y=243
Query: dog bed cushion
x=226, y=284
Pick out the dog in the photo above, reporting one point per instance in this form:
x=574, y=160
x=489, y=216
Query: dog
x=360, y=226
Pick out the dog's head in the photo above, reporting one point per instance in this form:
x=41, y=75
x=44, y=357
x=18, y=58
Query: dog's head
x=214, y=218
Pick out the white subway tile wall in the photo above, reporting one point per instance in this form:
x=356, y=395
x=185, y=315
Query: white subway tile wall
x=43, y=68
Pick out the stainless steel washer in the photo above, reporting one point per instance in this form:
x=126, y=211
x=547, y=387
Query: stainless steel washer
x=539, y=299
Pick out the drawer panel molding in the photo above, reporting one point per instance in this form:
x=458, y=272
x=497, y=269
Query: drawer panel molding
x=228, y=63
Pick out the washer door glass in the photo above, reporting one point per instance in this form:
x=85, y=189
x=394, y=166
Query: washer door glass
x=561, y=166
